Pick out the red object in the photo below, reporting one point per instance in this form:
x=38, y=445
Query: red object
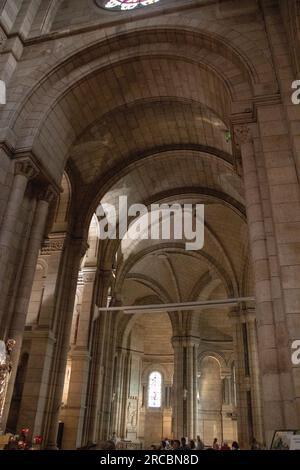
x=38, y=439
x=25, y=431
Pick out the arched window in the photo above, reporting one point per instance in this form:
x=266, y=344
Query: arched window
x=154, y=390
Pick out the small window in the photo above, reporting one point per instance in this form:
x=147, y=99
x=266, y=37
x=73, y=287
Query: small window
x=154, y=390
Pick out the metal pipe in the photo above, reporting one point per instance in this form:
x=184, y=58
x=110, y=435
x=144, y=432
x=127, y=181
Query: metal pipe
x=176, y=307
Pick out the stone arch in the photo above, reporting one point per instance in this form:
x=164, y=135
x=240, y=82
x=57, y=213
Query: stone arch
x=91, y=49
x=215, y=355
x=58, y=68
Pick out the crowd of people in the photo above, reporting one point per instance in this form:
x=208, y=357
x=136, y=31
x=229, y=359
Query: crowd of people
x=192, y=445
x=197, y=444
x=21, y=443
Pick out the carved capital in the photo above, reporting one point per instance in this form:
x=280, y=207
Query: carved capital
x=26, y=167
x=53, y=245
x=47, y=194
x=242, y=135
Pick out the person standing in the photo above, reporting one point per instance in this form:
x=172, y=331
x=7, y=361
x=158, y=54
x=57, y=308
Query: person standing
x=215, y=445
x=192, y=445
x=199, y=443
x=183, y=444
x=235, y=446
x=225, y=446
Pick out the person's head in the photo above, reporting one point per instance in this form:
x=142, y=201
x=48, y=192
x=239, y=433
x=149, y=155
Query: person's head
x=163, y=444
x=152, y=447
x=183, y=441
x=176, y=444
x=235, y=446
x=192, y=444
x=198, y=438
x=215, y=440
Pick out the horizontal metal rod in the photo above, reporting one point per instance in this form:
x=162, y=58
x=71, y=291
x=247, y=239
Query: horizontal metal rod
x=176, y=307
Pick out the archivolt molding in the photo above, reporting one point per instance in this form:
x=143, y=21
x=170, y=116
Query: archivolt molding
x=179, y=37
x=217, y=356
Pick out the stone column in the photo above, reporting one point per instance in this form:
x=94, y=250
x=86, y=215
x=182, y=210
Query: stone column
x=241, y=378
x=279, y=128
x=42, y=342
x=74, y=251
x=99, y=332
x=185, y=408
x=74, y=412
x=17, y=325
x=120, y=397
x=191, y=396
x=108, y=368
x=25, y=170
x=250, y=319
x=268, y=353
x=228, y=428
x=178, y=389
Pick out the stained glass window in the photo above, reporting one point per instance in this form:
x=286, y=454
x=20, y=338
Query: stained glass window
x=125, y=4
x=154, y=390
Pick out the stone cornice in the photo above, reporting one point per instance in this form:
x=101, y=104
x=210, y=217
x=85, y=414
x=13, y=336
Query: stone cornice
x=250, y=115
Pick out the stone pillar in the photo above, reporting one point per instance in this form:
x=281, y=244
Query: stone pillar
x=24, y=172
x=108, y=368
x=178, y=389
x=228, y=425
x=74, y=251
x=185, y=408
x=268, y=354
x=119, y=395
x=17, y=324
x=74, y=412
x=192, y=380
x=256, y=398
x=99, y=332
x=42, y=342
x=242, y=378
